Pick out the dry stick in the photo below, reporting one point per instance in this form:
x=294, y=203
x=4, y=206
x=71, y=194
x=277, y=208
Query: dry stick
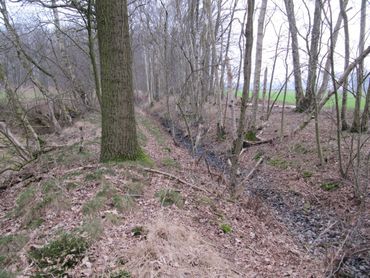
x=251, y=173
x=175, y=178
x=249, y=176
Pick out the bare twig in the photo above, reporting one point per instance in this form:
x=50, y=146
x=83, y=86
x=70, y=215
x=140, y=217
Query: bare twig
x=175, y=178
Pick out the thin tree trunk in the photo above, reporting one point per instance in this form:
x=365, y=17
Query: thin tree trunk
x=66, y=63
x=264, y=94
x=273, y=74
x=356, y=125
x=326, y=71
x=295, y=51
x=366, y=113
x=258, y=64
x=91, y=44
x=285, y=90
x=343, y=4
x=247, y=76
x=309, y=99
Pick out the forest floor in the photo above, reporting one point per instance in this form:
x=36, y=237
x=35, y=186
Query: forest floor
x=170, y=215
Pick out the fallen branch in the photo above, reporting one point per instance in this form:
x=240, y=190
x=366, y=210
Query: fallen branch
x=175, y=178
x=240, y=188
x=247, y=143
x=251, y=173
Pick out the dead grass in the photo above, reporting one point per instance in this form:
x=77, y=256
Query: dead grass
x=172, y=250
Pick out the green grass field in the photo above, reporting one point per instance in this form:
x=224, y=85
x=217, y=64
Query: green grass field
x=26, y=95
x=290, y=99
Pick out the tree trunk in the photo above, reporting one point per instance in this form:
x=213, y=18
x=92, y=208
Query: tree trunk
x=92, y=55
x=366, y=113
x=247, y=76
x=309, y=99
x=76, y=87
x=264, y=94
x=258, y=63
x=356, y=125
x=295, y=52
x=119, y=138
x=326, y=71
x=343, y=4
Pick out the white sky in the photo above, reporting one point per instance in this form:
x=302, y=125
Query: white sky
x=275, y=8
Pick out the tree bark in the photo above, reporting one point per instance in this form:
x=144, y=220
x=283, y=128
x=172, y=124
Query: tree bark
x=258, y=63
x=356, y=125
x=343, y=4
x=326, y=72
x=119, y=138
x=366, y=113
x=295, y=52
x=309, y=98
x=238, y=143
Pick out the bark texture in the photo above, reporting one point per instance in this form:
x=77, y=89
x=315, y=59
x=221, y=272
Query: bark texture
x=356, y=125
x=119, y=140
x=295, y=53
x=258, y=63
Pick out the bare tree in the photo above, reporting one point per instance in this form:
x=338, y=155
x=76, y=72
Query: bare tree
x=356, y=124
x=346, y=62
x=258, y=63
x=237, y=145
x=313, y=59
x=295, y=52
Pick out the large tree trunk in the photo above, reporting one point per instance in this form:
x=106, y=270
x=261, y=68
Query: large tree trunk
x=119, y=139
x=313, y=59
x=295, y=52
x=356, y=125
x=258, y=63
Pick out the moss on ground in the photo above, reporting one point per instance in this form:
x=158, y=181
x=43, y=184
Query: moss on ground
x=168, y=197
x=9, y=246
x=59, y=255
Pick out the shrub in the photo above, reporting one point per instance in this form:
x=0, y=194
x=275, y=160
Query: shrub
x=59, y=255
x=168, y=197
x=226, y=228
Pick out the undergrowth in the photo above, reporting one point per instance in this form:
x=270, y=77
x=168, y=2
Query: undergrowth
x=33, y=203
x=59, y=255
x=168, y=197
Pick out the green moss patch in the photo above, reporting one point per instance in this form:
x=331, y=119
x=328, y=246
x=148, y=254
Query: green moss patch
x=33, y=203
x=329, y=186
x=108, y=195
x=170, y=162
x=226, y=228
x=251, y=136
x=168, y=197
x=279, y=163
x=121, y=274
x=9, y=246
x=61, y=254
